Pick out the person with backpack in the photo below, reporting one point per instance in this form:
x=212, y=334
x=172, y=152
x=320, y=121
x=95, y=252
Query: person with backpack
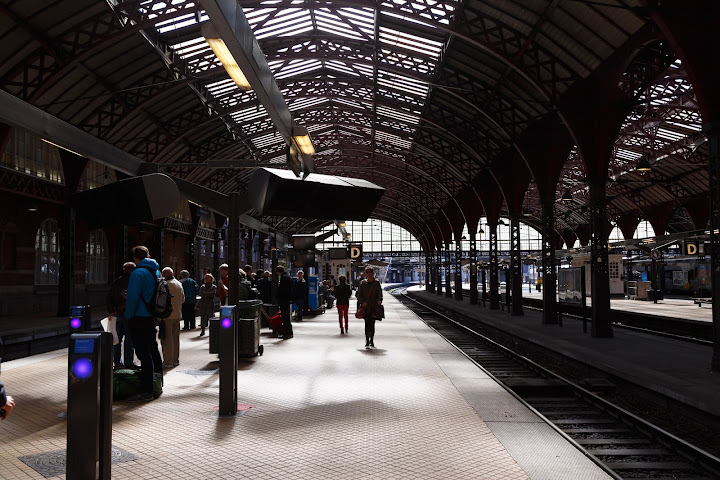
x=141, y=313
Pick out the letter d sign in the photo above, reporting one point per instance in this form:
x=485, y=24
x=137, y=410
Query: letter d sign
x=691, y=249
x=354, y=253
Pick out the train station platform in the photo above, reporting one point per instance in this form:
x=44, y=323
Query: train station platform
x=317, y=406
x=673, y=307
x=673, y=368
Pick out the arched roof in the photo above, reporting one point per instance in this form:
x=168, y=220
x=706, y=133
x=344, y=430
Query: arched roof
x=419, y=96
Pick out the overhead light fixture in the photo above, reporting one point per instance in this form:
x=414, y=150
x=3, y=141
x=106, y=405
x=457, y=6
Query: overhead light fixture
x=223, y=54
x=500, y=222
x=302, y=141
x=643, y=165
x=60, y=146
x=567, y=196
x=481, y=231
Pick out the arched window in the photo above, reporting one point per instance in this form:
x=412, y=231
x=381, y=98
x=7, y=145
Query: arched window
x=96, y=175
x=28, y=153
x=47, y=253
x=96, y=258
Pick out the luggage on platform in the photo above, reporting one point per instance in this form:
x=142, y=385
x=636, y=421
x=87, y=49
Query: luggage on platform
x=275, y=322
x=126, y=383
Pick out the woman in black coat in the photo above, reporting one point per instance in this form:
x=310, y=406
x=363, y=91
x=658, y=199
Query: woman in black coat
x=342, y=297
x=369, y=296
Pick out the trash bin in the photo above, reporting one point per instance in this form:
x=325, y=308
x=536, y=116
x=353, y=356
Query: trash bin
x=249, y=308
x=249, y=337
x=214, y=331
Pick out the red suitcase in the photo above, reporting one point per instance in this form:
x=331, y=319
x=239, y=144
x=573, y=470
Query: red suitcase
x=275, y=322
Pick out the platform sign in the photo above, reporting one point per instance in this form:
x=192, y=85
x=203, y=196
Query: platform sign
x=691, y=248
x=355, y=251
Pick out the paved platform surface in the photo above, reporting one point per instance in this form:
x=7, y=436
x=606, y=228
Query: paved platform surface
x=684, y=308
x=318, y=406
x=680, y=370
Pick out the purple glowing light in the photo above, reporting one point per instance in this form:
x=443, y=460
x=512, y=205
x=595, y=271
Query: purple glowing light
x=226, y=322
x=75, y=323
x=82, y=368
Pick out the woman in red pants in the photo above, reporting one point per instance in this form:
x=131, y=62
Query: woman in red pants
x=342, y=297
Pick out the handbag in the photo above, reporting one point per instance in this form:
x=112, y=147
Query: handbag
x=361, y=309
x=378, y=312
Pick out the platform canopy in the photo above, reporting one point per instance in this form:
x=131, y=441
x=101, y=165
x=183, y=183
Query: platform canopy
x=440, y=102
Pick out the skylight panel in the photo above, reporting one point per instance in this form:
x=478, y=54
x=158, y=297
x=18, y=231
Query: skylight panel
x=287, y=21
x=297, y=67
x=669, y=135
x=179, y=22
x=298, y=103
x=191, y=47
x=402, y=83
x=222, y=87
x=249, y=114
x=398, y=115
x=342, y=67
x=627, y=154
x=327, y=20
x=266, y=140
x=393, y=139
x=410, y=42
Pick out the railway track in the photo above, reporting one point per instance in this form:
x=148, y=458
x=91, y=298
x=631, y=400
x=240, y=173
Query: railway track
x=693, y=332
x=623, y=444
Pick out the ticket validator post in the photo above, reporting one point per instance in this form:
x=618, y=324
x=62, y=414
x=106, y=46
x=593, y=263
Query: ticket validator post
x=228, y=360
x=89, y=406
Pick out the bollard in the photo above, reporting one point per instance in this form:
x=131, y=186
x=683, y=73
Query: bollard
x=89, y=406
x=79, y=319
x=228, y=360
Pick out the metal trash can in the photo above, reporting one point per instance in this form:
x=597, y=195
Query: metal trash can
x=249, y=308
x=249, y=337
x=214, y=330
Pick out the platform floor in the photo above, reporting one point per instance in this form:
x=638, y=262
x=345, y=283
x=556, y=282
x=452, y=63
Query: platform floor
x=668, y=307
x=678, y=369
x=317, y=406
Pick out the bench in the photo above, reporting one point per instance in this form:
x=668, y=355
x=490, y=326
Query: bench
x=700, y=301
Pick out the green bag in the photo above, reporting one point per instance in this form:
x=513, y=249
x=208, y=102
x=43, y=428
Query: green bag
x=126, y=383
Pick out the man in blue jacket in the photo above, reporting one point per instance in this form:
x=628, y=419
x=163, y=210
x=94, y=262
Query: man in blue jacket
x=140, y=292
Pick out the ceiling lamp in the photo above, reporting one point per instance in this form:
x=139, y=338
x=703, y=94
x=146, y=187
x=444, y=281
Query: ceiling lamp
x=500, y=222
x=223, y=54
x=643, y=165
x=301, y=137
x=567, y=196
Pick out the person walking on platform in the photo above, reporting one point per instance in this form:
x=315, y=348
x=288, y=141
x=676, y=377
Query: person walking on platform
x=190, y=289
x=284, y=299
x=299, y=294
x=141, y=290
x=171, y=341
x=206, y=305
x=369, y=296
x=223, y=284
x=116, y=302
x=342, y=297
x=7, y=403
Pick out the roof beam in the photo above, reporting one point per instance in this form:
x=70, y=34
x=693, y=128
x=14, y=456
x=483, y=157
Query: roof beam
x=227, y=17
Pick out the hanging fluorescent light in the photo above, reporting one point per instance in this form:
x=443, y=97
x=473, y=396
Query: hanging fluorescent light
x=567, y=196
x=301, y=137
x=643, y=165
x=223, y=54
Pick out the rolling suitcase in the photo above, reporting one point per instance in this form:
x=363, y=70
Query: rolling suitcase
x=126, y=383
x=275, y=323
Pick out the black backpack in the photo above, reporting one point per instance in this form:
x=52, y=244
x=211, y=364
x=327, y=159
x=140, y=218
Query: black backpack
x=160, y=306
